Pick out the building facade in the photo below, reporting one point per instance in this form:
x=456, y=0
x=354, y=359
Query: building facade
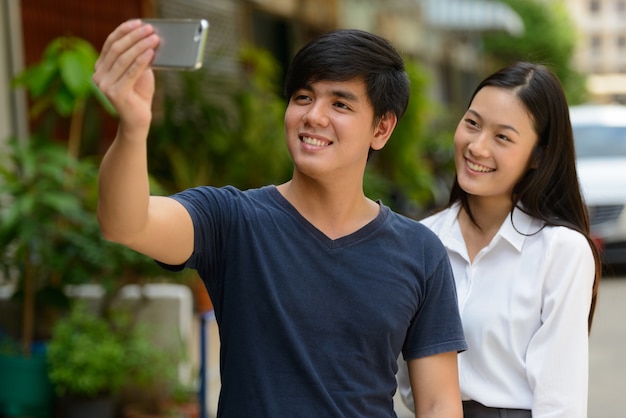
x=601, y=51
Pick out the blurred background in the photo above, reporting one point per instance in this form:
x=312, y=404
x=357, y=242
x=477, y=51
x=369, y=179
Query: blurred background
x=87, y=320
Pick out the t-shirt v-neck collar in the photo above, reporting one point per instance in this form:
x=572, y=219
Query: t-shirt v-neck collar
x=319, y=235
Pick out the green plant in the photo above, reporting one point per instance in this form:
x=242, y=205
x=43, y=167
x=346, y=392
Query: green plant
x=91, y=355
x=86, y=357
x=38, y=182
x=41, y=204
x=49, y=235
x=60, y=86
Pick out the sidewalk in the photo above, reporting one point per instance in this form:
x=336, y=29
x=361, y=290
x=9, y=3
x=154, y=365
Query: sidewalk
x=607, y=363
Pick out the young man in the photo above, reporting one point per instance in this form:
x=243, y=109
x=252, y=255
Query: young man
x=317, y=289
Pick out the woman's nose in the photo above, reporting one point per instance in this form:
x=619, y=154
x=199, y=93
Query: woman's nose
x=478, y=146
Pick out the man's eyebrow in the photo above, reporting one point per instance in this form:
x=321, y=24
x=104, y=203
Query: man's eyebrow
x=340, y=93
x=345, y=94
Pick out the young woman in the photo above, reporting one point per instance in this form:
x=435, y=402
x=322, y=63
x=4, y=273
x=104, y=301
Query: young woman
x=517, y=234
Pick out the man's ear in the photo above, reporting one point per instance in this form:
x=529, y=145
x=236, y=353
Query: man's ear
x=383, y=130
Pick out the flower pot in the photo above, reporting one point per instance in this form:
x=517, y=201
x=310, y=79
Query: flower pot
x=189, y=409
x=102, y=407
x=25, y=389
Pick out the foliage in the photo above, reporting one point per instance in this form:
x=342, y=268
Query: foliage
x=89, y=356
x=49, y=222
x=85, y=357
x=60, y=85
x=549, y=38
x=62, y=77
x=215, y=132
x=407, y=173
x=49, y=234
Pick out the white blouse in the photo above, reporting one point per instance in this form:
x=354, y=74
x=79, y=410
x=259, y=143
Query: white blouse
x=524, y=303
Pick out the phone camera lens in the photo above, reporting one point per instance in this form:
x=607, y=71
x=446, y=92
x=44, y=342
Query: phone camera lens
x=198, y=35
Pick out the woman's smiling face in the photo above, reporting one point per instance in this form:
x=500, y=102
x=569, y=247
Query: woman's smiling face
x=493, y=143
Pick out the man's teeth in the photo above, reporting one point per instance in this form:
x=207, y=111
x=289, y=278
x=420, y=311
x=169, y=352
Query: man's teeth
x=479, y=168
x=313, y=141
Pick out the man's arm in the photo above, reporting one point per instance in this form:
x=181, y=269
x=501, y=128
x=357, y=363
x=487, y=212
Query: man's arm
x=159, y=227
x=435, y=386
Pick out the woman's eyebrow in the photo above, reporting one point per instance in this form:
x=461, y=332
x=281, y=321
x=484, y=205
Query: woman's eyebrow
x=501, y=126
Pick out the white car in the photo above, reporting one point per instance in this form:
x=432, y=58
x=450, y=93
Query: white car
x=600, y=137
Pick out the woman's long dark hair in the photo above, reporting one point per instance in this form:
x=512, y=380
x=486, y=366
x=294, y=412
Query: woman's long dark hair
x=550, y=192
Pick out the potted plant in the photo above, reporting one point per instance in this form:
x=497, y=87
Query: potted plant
x=49, y=236
x=42, y=210
x=181, y=403
x=24, y=387
x=37, y=185
x=92, y=358
x=86, y=364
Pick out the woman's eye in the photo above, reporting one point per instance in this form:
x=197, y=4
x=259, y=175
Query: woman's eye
x=471, y=122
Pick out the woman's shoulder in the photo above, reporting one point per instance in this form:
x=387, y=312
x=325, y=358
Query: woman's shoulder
x=565, y=239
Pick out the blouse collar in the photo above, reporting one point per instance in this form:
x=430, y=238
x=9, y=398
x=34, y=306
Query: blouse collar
x=515, y=229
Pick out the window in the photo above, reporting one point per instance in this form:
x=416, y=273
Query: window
x=599, y=141
x=595, y=44
x=594, y=6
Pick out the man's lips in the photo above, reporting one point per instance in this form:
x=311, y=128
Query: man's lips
x=315, y=141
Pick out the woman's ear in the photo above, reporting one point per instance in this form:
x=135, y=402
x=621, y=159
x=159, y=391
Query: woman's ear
x=383, y=130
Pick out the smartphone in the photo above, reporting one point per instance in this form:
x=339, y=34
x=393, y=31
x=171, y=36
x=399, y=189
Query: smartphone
x=181, y=45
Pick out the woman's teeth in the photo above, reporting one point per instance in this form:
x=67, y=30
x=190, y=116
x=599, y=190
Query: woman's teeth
x=479, y=168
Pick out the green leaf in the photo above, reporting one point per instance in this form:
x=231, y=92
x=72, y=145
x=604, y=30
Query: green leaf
x=64, y=101
x=54, y=48
x=61, y=202
x=76, y=77
x=38, y=79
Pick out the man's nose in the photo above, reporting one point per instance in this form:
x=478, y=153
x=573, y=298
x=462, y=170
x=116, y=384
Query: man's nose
x=317, y=115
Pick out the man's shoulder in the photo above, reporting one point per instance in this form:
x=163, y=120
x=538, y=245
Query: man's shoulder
x=409, y=223
x=225, y=192
x=413, y=230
